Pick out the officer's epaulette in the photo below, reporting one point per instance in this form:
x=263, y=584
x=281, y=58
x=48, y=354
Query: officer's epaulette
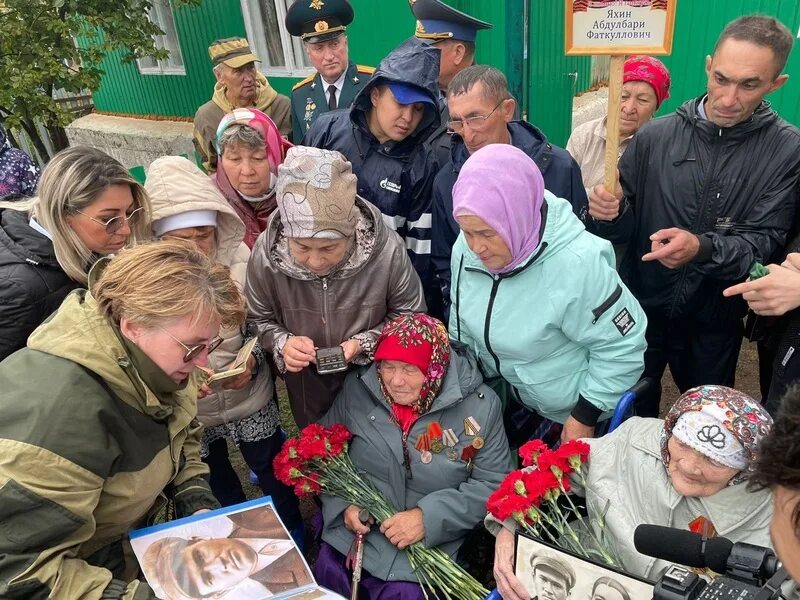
x=305, y=81
x=365, y=69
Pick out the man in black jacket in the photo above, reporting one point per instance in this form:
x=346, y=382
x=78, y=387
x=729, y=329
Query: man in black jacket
x=481, y=113
x=382, y=135
x=705, y=193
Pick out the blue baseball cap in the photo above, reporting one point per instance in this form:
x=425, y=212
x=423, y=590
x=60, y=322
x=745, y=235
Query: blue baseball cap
x=406, y=93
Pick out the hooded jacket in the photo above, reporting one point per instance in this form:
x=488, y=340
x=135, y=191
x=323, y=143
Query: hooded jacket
x=397, y=177
x=561, y=174
x=34, y=284
x=733, y=187
x=206, y=120
x=452, y=498
x=19, y=174
x=374, y=284
x=627, y=482
x=561, y=328
x=175, y=185
x=85, y=454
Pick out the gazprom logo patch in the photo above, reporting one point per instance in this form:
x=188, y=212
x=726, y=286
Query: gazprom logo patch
x=390, y=186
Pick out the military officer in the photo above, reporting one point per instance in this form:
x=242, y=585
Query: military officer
x=321, y=24
x=454, y=33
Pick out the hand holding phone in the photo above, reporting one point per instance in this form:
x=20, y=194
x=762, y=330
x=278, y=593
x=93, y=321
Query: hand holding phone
x=331, y=360
x=298, y=353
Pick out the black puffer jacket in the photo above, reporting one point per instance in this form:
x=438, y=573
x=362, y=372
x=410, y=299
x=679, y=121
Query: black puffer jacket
x=397, y=177
x=733, y=187
x=32, y=282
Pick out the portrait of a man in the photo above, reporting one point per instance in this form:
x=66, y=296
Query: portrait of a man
x=248, y=555
x=553, y=579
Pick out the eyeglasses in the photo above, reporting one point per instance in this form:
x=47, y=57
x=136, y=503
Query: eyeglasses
x=193, y=351
x=475, y=123
x=114, y=224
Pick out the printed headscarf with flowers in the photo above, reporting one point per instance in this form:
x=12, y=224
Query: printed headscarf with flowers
x=411, y=336
x=737, y=412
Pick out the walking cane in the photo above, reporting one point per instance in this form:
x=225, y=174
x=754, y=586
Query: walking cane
x=363, y=516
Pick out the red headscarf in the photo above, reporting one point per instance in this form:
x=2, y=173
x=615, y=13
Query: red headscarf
x=650, y=70
x=422, y=341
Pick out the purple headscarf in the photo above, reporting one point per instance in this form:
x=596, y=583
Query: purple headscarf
x=502, y=186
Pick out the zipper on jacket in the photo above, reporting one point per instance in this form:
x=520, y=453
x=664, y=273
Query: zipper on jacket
x=607, y=303
x=325, y=309
x=698, y=219
x=488, y=321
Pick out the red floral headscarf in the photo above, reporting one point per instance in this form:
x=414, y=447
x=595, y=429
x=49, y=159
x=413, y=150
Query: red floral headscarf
x=650, y=70
x=419, y=340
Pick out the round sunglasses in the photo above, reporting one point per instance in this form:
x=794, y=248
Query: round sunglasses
x=193, y=351
x=114, y=224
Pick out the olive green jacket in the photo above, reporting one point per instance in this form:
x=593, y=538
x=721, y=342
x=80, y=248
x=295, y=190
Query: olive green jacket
x=87, y=449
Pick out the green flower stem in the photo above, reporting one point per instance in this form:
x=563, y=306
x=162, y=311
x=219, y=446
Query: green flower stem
x=436, y=572
x=599, y=547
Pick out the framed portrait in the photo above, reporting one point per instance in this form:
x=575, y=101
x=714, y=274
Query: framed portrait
x=619, y=26
x=551, y=573
x=241, y=552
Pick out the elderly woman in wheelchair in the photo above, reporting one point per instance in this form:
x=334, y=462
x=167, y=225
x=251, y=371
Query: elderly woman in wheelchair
x=686, y=471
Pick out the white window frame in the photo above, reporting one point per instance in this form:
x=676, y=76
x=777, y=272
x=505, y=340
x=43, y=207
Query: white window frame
x=164, y=67
x=292, y=47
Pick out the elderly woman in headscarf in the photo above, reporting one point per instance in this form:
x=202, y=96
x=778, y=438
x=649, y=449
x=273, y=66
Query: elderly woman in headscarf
x=537, y=299
x=19, y=174
x=429, y=435
x=687, y=471
x=645, y=86
x=327, y=274
x=250, y=149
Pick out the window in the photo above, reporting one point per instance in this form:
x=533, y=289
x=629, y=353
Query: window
x=161, y=15
x=280, y=53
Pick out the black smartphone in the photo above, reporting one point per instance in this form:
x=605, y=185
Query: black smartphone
x=331, y=360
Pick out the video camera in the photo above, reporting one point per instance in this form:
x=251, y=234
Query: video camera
x=747, y=572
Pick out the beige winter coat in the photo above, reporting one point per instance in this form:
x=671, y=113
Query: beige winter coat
x=175, y=186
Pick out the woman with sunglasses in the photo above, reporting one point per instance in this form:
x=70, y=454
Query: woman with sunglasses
x=243, y=409
x=98, y=420
x=88, y=206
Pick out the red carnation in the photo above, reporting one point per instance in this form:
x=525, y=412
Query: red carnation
x=575, y=452
x=312, y=449
x=315, y=431
x=552, y=461
x=530, y=451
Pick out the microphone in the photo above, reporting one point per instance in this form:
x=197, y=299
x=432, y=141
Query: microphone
x=683, y=547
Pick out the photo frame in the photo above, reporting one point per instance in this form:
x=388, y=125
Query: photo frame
x=619, y=27
x=568, y=575
x=242, y=552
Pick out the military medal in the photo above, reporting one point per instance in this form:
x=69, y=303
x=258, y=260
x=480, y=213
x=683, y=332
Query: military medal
x=426, y=457
x=435, y=435
x=471, y=426
x=423, y=442
x=316, y=4
x=450, y=439
x=477, y=442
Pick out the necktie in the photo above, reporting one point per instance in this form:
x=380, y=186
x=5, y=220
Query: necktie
x=331, y=97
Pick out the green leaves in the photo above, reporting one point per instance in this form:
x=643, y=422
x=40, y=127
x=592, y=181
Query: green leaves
x=47, y=45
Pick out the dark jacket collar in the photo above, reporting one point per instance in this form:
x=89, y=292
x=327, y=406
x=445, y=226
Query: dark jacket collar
x=761, y=117
x=528, y=138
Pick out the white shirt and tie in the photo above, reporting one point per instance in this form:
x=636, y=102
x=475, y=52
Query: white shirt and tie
x=335, y=87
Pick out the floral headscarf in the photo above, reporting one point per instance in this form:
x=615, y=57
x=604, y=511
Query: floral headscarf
x=420, y=340
x=738, y=413
x=19, y=175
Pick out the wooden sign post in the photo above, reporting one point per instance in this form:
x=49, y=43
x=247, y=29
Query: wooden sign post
x=617, y=28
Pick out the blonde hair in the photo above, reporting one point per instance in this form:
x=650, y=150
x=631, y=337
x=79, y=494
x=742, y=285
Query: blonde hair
x=154, y=283
x=71, y=182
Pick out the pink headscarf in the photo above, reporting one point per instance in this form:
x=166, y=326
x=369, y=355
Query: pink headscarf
x=252, y=117
x=502, y=186
x=650, y=70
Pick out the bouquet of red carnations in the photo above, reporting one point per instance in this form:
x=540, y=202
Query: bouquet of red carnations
x=318, y=462
x=531, y=496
